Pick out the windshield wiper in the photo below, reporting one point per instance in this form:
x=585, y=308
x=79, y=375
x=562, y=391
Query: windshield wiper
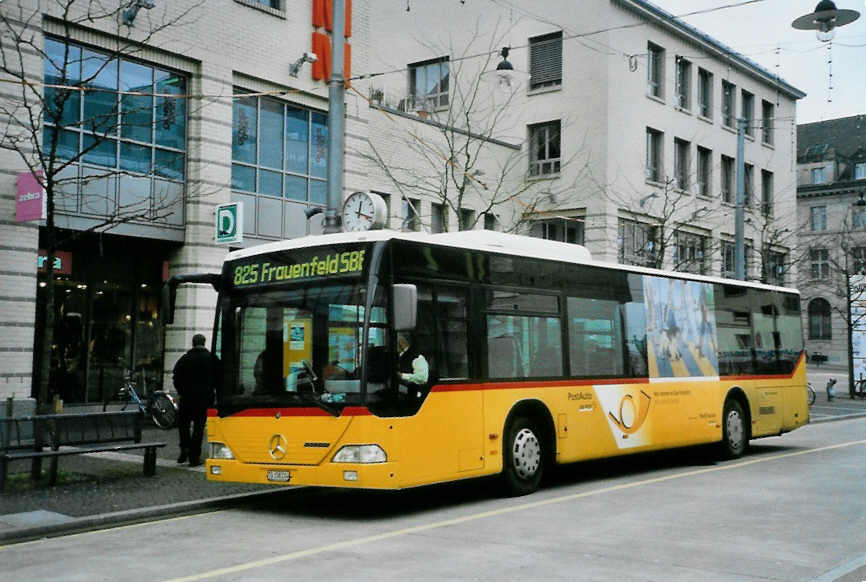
x=314, y=399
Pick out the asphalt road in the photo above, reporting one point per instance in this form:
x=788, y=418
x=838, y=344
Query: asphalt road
x=790, y=510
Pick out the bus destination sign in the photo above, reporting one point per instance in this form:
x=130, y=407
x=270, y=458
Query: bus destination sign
x=267, y=270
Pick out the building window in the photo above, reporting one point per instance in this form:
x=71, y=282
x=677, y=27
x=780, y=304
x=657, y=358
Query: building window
x=275, y=4
x=818, y=218
x=490, y=221
x=859, y=256
x=409, y=214
x=636, y=243
x=684, y=83
x=438, y=218
x=428, y=84
x=748, y=185
x=545, y=61
x=544, y=148
x=859, y=171
x=818, y=176
x=766, y=193
x=655, y=70
x=729, y=97
x=705, y=94
x=820, y=263
x=129, y=151
x=728, y=180
x=467, y=219
x=729, y=259
x=689, y=250
x=705, y=172
x=279, y=153
x=654, y=141
x=569, y=230
x=748, y=112
x=819, y=320
x=767, y=115
x=682, y=163
x=775, y=269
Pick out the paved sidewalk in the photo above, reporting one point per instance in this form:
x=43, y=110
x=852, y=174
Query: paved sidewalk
x=109, y=488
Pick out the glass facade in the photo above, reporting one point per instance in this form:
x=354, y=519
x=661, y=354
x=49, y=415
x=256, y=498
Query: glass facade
x=125, y=131
x=279, y=154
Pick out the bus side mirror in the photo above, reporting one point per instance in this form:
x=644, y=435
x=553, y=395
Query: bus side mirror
x=405, y=306
x=168, y=296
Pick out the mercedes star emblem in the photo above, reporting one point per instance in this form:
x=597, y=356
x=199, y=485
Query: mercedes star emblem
x=277, y=447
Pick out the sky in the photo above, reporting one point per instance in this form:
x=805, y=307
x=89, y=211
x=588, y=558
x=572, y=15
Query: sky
x=757, y=30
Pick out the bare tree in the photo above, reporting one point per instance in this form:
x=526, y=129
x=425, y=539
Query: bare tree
x=67, y=117
x=455, y=157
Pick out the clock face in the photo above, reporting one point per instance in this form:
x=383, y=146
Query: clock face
x=360, y=212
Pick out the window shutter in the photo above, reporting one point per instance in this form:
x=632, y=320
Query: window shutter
x=545, y=60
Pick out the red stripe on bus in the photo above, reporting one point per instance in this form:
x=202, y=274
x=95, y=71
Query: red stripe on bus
x=535, y=384
x=306, y=411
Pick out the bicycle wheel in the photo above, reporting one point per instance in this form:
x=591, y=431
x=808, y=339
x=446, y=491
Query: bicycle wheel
x=162, y=411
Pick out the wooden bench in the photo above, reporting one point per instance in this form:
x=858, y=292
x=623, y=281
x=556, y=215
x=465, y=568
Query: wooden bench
x=27, y=437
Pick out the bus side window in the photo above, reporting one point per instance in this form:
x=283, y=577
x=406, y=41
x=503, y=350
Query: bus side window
x=595, y=337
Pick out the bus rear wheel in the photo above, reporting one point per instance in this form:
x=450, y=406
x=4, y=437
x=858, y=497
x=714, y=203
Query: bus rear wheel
x=523, y=457
x=735, y=436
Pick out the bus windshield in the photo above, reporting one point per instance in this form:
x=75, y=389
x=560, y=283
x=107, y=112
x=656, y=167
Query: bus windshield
x=299, y=346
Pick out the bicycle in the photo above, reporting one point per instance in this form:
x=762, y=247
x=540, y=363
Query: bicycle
x=160, y=406
x=811, y=393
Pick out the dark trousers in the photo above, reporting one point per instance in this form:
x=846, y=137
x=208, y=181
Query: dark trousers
x=196, y=417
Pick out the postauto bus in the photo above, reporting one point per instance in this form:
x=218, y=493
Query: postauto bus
x=535, y=355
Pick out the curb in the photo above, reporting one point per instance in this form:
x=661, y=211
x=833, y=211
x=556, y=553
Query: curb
x=128, y=517
x=838, y=417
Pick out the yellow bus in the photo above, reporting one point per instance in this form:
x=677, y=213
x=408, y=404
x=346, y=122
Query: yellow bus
x=525, y=353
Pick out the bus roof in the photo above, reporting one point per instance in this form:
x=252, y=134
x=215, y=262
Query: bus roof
x=489, y=241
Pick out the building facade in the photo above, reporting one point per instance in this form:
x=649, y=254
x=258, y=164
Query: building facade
x=626, y=124
x=831, y=184
x=149, y=127
x=616, y=129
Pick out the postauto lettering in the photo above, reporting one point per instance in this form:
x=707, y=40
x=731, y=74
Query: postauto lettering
x=264, y=272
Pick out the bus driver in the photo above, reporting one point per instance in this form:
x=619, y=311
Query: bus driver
x=413, y=367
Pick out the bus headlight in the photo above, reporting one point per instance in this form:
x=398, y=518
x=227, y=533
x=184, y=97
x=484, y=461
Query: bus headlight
x=360, y=454
x=220, y=451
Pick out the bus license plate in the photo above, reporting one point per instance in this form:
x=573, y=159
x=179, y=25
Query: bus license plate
x=283, y=476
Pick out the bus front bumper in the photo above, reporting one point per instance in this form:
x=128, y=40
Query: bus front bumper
x=355, y=475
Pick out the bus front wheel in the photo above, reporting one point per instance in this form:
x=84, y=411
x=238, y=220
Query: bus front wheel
x=735, y=434
x=523, y=457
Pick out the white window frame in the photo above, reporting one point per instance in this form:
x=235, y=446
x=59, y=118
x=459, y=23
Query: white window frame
x=655, y=71
x=542, y=163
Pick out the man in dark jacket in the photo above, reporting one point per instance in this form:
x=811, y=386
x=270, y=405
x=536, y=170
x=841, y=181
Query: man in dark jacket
x=195, y=375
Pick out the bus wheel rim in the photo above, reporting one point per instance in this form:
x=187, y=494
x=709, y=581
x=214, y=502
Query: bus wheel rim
x=526, y=454
x=735, y=429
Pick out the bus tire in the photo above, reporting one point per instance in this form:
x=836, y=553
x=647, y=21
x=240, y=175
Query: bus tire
x=735, y=431
x=523, y=457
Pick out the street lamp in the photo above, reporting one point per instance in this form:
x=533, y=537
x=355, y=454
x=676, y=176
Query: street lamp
x=825, y=20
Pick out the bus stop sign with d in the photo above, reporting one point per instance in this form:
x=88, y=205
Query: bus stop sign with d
x=230, y=223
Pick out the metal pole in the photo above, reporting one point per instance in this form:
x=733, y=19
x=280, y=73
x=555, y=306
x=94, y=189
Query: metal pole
x=336, y=119
x=739, y=219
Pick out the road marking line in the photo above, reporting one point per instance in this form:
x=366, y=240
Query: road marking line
x=492, y=513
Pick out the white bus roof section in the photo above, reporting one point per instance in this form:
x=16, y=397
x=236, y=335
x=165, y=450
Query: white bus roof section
x=485, y=240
